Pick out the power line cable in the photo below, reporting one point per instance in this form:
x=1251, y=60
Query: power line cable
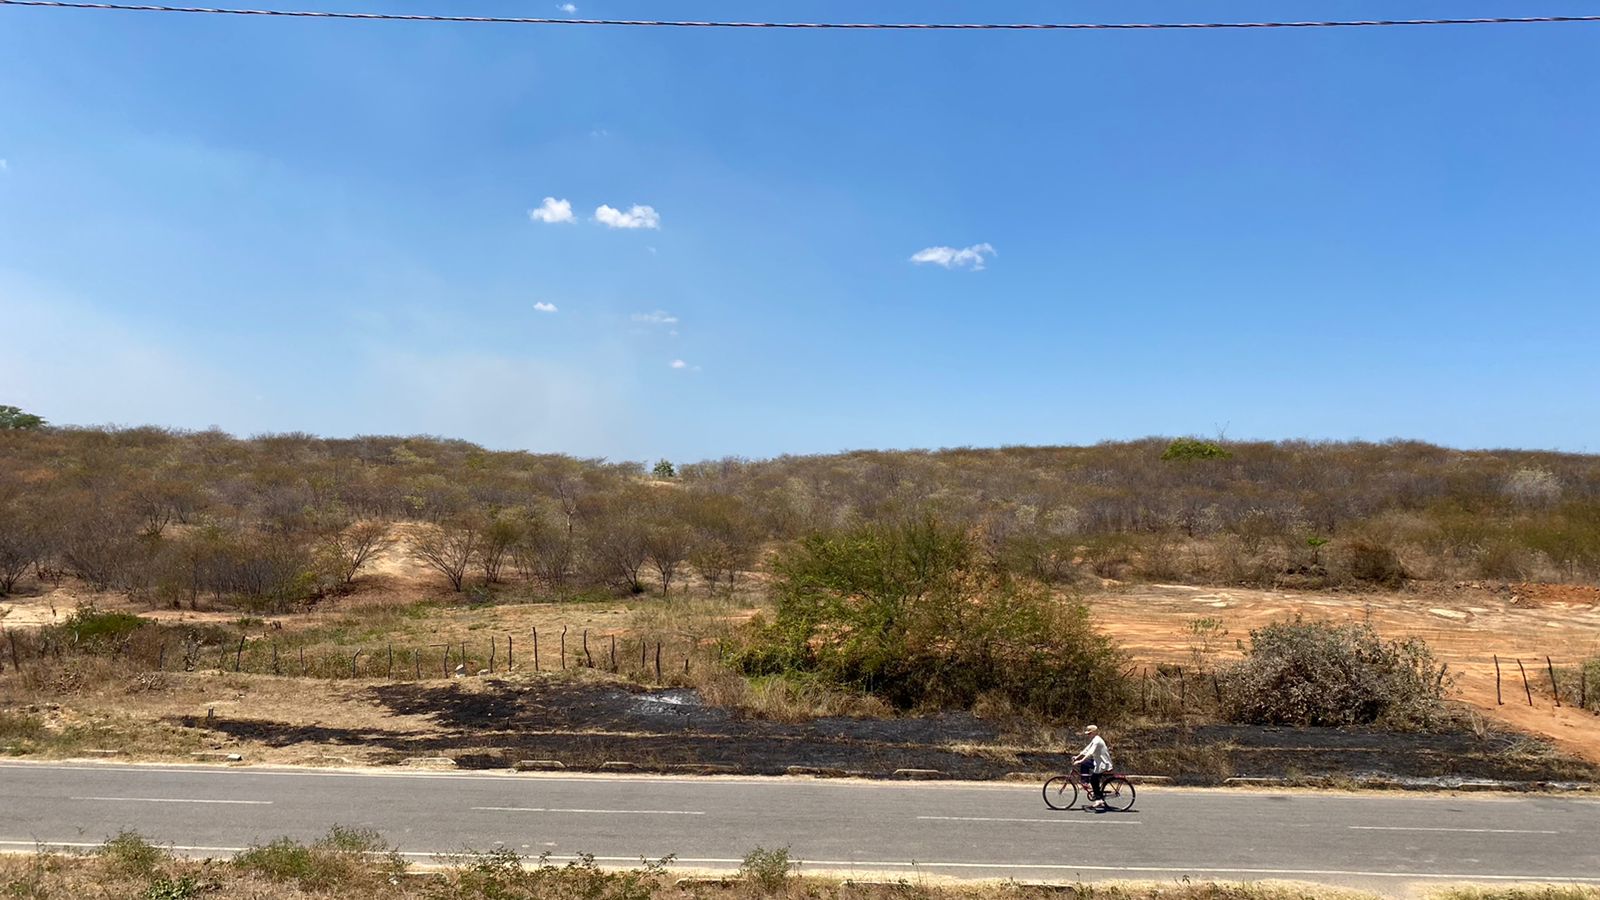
x=863, y=26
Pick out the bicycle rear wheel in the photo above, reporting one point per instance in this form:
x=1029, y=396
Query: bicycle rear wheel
x=1118, y=793
x=1061, y=792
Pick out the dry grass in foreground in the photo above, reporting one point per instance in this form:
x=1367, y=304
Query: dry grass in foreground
x=358, y=864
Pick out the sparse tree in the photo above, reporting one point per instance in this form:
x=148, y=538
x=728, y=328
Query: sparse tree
x=544, y=552
x=23, y=543
x=667, y=544
x=614, y=540
x=350, y=546
x=664, y=469
x=449, y=548
x=500, y=535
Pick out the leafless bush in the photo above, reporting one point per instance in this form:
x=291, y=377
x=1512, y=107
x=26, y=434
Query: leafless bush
x=449, y=548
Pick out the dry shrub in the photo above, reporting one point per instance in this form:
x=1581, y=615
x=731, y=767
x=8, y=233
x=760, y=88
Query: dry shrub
x=1322, y=673
x=1370, y=562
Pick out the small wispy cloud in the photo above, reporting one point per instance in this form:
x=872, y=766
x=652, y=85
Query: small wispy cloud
x=544, y=307
x=678, y=364
x=637, y=217
x=568, y=8
x=553, y=211
x=951, y=258
x=659, y=317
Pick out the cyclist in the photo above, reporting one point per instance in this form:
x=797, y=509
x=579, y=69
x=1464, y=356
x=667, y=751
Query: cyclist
x=1094, y=763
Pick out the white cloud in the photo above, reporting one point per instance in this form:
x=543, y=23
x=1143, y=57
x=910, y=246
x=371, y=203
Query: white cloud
x=969, y=257
x=568, y=8
x=553, y=211
x=544, y=307
x=637, y=217
x=659, y=317
x=678, y=364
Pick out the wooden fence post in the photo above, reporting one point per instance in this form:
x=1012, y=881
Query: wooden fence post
x=613, y=653
x=1525, y=688
x=588, y=658
x=238, y=656
x=510, y=664
x=391, y=661
x=1498, y=700
x=658, y=661
x=563, y=646
x=1555, y=689
x=494, y=647
x=302, y=662
x=161, y=657
x=1144, y=690
x=536, y=649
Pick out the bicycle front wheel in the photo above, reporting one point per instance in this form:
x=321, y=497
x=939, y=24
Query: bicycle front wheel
x=1061, y=792
x=1119, y=793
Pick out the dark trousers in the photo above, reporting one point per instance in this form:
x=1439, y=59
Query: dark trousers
x=1093, y=779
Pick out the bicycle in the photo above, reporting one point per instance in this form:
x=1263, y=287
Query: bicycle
x=1061, y=792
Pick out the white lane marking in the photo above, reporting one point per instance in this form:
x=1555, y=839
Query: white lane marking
x=1460, y=830
x=1062, y=821
x=172, y=800
x=619, y=812
x=864, y=864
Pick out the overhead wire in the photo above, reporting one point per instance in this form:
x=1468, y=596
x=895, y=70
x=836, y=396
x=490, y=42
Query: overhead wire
x=863, y=26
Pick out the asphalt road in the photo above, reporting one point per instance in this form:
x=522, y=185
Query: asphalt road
x=1377, y=841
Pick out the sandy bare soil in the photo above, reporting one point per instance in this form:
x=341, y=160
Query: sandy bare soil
x=1465, y=624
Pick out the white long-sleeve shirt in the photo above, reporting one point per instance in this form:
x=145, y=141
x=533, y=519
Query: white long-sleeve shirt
x=1099, y=752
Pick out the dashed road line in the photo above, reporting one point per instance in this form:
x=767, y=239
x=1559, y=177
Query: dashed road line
x=618, y=812
x=172, y=800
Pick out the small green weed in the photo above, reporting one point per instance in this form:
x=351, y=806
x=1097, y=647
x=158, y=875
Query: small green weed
x=767, y=870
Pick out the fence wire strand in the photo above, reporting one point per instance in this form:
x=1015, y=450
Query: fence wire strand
x=860, y=26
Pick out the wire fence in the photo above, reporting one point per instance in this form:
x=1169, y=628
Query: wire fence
x=640, y=656
x=853, y=26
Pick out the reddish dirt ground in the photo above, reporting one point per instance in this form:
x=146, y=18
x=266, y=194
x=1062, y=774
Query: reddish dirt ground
x=1466, y=624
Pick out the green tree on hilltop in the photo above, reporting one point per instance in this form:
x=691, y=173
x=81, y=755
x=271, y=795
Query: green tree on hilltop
x=14, y=419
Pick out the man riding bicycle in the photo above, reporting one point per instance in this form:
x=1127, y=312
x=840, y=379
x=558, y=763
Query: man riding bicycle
x=1094, y=764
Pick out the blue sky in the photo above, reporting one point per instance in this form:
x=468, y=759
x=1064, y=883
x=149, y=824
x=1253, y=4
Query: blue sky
x=321, y=226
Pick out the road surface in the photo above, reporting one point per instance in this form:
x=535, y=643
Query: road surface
x=1376, y=841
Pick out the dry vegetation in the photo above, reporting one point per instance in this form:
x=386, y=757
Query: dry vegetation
x=863, y=584
x=357, y=864
x=281, y=521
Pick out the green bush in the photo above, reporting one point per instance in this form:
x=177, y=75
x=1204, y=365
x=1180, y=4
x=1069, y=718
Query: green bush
x=1321, y=673
x=185, y=888
x=88, y=625
x=767, y=870
x=913, y=614
x=131, y=854
x=340, y=857
x=1184, y=449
